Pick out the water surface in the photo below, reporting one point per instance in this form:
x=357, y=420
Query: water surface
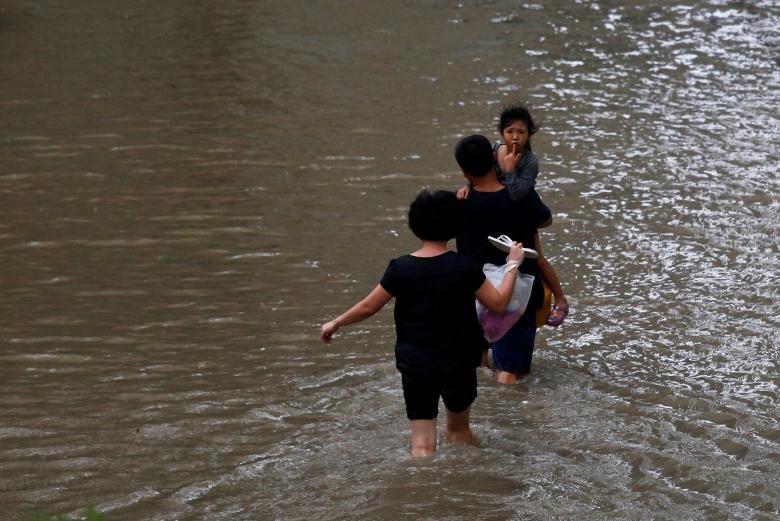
x=188, y=191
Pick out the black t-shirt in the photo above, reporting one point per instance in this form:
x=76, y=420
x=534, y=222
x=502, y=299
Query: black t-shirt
x=494, y=214
x=435, y=319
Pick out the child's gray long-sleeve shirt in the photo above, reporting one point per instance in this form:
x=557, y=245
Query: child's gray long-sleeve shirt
x=523, y=178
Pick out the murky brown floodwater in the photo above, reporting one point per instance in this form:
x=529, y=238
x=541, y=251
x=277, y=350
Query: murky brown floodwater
x=188, y=189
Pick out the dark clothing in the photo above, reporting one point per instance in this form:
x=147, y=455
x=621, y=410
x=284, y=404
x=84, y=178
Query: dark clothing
x=514, y=351
x=435, y=318
x=496, y=213
x=458, y=390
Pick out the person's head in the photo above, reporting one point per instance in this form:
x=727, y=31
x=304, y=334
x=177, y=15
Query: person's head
x=474, y=155
x=516, y=126
x=435, y=216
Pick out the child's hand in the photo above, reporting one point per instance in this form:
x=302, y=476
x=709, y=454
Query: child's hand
x=516, y=253
x=507, y=159
x=463, y=192
x=327, y=330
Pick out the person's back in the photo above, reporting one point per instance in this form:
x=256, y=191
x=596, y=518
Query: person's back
x=436, y=327
x=494, y=214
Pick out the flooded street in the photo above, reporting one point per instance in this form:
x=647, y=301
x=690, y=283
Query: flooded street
x=188, y=190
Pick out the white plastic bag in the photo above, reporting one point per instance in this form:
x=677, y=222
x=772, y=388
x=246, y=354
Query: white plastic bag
x=495, y=325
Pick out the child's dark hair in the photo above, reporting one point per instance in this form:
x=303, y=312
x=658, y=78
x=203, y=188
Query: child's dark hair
x=435, y=216
x=474, y=155
x=517, y=113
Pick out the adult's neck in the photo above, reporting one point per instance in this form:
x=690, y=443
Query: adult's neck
x=431, y=249
x=488, y=183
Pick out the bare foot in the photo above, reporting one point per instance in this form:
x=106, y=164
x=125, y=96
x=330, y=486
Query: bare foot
x=465, y=437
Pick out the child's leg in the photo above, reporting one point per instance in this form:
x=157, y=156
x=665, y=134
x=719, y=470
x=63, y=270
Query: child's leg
x=423, y=437
x=458, y=428
x=560, y=310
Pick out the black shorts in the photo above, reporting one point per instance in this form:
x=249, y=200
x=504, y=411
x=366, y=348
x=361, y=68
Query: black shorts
x=422, y=392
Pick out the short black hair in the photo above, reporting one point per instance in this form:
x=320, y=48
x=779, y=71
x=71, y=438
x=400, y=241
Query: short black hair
x=435, y=216
x=514, y=113
x=474, y=155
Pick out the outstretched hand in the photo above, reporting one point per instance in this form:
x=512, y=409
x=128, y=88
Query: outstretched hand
x=327, y=330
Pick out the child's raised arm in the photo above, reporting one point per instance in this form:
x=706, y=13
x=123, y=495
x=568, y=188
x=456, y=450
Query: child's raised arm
x=367, y=307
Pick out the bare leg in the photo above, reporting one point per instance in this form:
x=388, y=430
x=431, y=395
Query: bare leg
x=458, y=429
x=505, y=377
x=423, y=437
x=487, y=359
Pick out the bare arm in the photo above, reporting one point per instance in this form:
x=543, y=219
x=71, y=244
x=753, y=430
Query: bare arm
x=367, y=307
x=549, y=276
x=497, y=299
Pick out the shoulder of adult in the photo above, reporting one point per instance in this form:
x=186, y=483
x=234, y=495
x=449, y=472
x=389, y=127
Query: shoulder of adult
x=392, y=264
x=391, y=275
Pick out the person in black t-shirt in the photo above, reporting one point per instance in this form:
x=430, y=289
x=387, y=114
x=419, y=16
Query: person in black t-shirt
x=489, y=210
x=439, y=341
